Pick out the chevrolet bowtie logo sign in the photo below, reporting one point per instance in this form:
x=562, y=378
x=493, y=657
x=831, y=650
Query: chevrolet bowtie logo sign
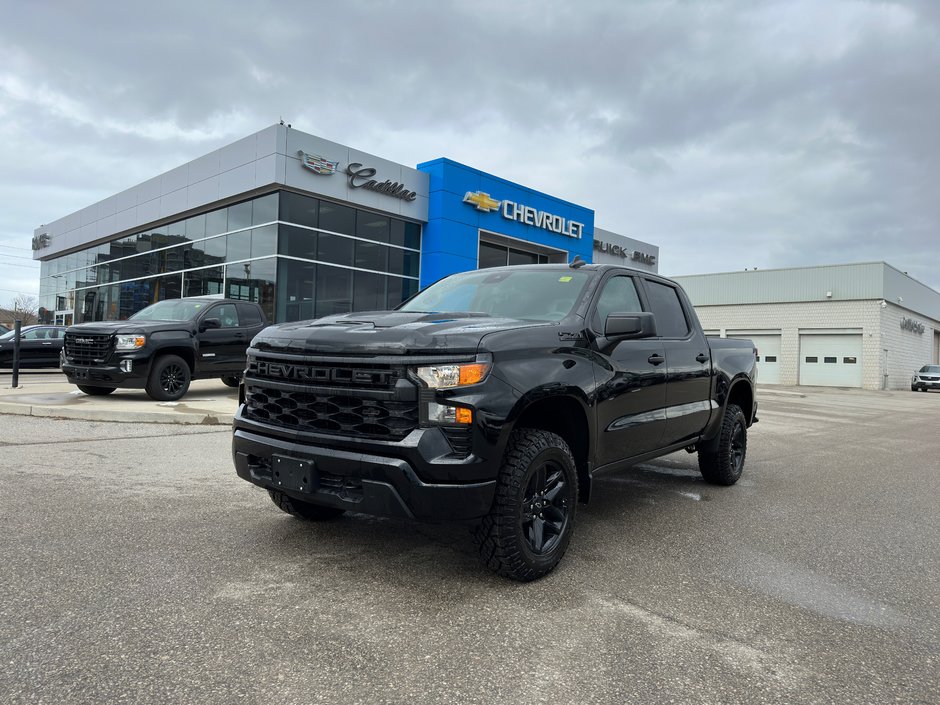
x=527, y=215
x=482, y=201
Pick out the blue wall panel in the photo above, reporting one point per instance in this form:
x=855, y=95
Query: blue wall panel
x=451, y=236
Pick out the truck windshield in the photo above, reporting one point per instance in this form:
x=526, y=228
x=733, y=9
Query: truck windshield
x=170, y=310
x=526, y=294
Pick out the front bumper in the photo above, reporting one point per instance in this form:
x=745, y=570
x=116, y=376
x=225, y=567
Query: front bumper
x=925, y=384
x=110, y=374
x=415, y=478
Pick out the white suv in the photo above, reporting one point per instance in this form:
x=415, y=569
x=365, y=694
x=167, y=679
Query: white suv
x=927, y=377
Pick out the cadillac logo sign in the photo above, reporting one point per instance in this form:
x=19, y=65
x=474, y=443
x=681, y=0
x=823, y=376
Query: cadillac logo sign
x=316, y=163
x=40, y=241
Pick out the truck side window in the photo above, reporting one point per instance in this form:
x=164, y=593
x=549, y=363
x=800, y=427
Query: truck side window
x=249, y=315
x=619, y=296
x=670, y=318
x=227, y=314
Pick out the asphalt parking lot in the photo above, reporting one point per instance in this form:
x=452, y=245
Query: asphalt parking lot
x=137, y=568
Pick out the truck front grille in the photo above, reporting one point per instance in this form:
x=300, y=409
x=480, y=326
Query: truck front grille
x=310, y=410
x=87, y=349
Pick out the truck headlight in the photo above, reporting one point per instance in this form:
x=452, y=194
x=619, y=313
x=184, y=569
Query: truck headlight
x=459, y=375
x=130, y=342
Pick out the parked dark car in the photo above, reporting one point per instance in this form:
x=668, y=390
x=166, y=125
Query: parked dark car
x=39, y=346
x=927, y=377
x=163, y=347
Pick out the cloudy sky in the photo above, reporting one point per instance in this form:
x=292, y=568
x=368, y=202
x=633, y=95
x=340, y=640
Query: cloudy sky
x=731, y=134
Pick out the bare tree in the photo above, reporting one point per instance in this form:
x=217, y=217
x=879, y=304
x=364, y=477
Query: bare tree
x=25, y=308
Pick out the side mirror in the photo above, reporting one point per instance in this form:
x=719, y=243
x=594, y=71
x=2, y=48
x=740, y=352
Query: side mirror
x=629, y=326
x=210, y=323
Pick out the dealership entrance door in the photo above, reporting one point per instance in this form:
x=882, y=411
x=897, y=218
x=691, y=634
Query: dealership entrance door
x=500, y=251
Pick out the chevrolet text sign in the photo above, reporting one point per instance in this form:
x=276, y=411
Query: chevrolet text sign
x=526, y=215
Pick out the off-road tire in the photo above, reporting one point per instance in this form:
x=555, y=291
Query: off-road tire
x=721, y=463
x=231, y=381
x=536, y=495
x=303, y=510
x=169, y=378
x=95, y=391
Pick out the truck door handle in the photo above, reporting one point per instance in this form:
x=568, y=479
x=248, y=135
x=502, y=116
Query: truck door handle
x=656, y=359
x=702, y=357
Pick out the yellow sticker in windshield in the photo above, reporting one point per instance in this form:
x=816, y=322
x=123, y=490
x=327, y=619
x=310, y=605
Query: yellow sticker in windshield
x=564, y=279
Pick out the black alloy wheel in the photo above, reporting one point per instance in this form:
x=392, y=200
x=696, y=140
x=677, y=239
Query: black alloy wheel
x=529, y=526
x=172, y=379
x=545, y=508
x=169, y=378
x=721, y=461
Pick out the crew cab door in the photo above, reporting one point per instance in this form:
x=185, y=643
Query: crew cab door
x=221, y=350
x=688, y=363
x=631, y=389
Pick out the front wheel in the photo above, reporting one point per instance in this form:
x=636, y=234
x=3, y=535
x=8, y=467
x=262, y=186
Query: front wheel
x=303, y=510
x=95, y=391
x=169, y=378
x=529, y=526
x=722, y=461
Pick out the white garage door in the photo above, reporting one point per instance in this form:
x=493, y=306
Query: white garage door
x=768, y=358
x=831, y=360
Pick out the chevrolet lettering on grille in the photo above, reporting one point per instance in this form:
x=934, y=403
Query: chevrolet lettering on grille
x=304, y=373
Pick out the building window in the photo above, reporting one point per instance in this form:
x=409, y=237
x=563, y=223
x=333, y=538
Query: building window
x=769, y=358
x=812, y=359
x=849, y=360
x=830, y=360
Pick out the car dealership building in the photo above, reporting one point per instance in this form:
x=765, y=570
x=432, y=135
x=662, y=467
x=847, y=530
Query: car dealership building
x=308, y=227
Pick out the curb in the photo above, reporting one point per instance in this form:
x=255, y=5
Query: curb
x=207, y=419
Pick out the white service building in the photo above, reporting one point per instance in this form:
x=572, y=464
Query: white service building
x=863, y=325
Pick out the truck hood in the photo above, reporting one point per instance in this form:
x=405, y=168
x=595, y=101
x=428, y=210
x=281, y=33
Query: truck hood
x=387, y=333
x=127, y=327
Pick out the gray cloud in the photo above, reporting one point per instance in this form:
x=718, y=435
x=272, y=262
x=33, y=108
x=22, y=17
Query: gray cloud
x=732, y=134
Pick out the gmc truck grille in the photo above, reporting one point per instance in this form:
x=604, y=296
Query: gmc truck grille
x=87, y=349
x=310, y=410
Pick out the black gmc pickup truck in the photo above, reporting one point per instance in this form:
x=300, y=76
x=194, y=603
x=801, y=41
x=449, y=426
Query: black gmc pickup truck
x=493, y=396
x=163, y=347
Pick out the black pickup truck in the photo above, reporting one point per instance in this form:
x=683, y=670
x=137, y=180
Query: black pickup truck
x=493, y=396
x=163, y=347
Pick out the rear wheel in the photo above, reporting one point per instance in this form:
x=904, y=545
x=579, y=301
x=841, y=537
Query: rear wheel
x=303, y=510
x=231, y=381
x=721, y=462
x=529, y=526
x=169, y=378
x=95, y=391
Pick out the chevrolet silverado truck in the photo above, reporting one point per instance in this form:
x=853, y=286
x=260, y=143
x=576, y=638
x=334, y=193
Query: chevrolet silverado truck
x=163, y=347
x=495, y=397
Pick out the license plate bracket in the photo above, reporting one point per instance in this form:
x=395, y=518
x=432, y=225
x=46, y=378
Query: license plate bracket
x=293, y=474
x=81, y=374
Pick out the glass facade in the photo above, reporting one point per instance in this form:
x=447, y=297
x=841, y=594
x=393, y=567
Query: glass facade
x=299, y=257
